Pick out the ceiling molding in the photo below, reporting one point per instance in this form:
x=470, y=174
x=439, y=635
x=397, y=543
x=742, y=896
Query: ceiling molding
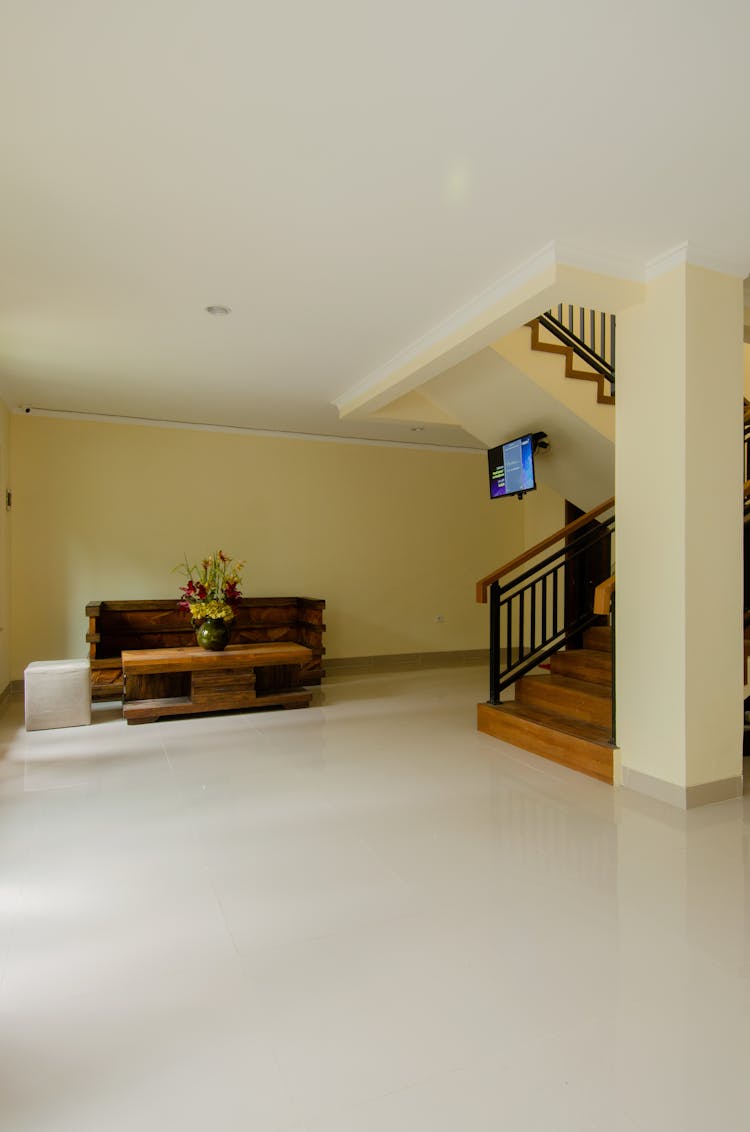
x=600, y=263
x=238, y=430
x=553, y=255
x=640, y=271
x=689, y=253
x=505, y=285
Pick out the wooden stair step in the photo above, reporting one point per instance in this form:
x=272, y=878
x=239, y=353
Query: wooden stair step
x=591, y=665
x=603, y=395
x=598, y=637
x=575, y=699
x=579, y=745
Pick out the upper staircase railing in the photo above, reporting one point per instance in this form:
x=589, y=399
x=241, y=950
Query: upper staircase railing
x=590, y=334
x=531, y=614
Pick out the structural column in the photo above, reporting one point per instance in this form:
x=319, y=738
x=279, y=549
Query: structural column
x=678, y=468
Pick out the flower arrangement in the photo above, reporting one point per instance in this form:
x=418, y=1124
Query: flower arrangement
x=212, y=589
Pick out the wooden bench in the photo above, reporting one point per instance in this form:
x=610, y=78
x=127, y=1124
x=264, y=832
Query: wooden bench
x=183, y=681
x=158, y=623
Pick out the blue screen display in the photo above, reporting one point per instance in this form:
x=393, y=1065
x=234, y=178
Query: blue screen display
x=511, y=467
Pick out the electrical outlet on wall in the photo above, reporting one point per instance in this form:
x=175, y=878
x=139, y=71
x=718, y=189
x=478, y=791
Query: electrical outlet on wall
x=439, y=618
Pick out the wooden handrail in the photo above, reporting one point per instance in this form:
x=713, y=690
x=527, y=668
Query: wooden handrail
x=484, y=584
x=603, y=595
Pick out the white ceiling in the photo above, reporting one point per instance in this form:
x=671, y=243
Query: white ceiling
x=343, y=176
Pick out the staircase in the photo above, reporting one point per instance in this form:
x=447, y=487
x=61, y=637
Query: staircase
x=550, y=606
x=580, y=335
x=565, y=716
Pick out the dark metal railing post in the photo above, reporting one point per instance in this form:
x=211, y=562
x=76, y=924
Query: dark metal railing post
x=594, y=344
x=613, y=736
x=495, y=643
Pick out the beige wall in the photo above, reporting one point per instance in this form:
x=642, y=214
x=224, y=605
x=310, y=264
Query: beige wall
x=548, y=372
x=679, y=478
x=390, y=537
x=5, y=606
x=543, y=514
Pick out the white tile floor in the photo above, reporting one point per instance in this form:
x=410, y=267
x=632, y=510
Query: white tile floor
x=363, y=917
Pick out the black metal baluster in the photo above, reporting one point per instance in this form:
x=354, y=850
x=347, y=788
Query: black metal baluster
x=520, y=626
x=570, y=317
x=593, y=331
x=613, y=737
x=532, y=630
x=508, y=634
x=554, y=602
x=545, y=638
x=495, y=643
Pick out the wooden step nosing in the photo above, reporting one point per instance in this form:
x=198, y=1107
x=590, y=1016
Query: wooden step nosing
x=561, y=695
x=560, y=723
x=593, y=759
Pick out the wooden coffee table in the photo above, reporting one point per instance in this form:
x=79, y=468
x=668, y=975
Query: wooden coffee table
x=184, y=681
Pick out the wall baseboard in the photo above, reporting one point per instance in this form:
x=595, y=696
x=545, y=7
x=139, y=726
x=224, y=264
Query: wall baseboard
x=683, y=797
x=405, y=661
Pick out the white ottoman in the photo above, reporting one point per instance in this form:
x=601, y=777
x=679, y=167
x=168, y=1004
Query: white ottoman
x=57, y=693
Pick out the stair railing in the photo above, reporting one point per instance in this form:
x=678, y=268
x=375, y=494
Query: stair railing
x=604, y=605
x=590, y=334
x=529, y=620
x=746, y=551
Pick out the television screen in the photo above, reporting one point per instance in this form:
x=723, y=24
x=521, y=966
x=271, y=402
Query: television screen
x=512, y=467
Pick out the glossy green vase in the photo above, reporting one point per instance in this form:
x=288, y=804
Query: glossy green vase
x=213, y=634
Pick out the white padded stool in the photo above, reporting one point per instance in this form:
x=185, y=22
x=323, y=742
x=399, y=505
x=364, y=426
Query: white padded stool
x=57, y=693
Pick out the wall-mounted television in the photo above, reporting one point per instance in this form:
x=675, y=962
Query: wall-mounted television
x=511, y=467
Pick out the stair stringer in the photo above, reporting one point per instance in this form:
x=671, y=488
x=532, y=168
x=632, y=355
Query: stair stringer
x=548, y=371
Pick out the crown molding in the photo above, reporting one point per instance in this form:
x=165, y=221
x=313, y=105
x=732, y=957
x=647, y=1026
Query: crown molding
x=691, y=254
x=599, y=263
x=643, y=271
x=238, y=430
x=556, y=253
x=503, y=286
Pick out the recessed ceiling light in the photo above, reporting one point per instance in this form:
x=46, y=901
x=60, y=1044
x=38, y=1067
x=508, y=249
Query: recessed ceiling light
x=218, y=311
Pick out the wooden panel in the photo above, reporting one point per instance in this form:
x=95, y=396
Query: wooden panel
x=195, y=658
x=278, y=677
x=223, y=688
x=148, y=711
x=603, y=596
x=117, y=626
x=590, y=665
x=598, y=637
x=156, y=679
x=589, y=756
x=158, y=685
x=575, y=699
